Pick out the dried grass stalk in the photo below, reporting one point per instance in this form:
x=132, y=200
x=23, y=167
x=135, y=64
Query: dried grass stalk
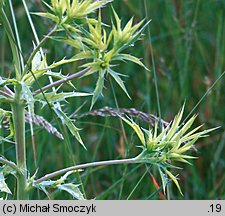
x=40, y=121
x=108, y=111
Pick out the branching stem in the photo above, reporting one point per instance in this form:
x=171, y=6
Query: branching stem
x=87, y=165
x=9, y=163
x=5, y=94
x=61, y=81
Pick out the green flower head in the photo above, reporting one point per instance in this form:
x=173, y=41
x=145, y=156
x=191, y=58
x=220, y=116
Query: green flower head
x=169, y=146
x=65, y=11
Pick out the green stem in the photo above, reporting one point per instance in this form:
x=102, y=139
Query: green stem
x=87, y=165
x=18, y=110
x=4, y=93
x=61, y=81
x=10, y=164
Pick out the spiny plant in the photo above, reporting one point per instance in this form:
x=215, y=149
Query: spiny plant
x=99, y=48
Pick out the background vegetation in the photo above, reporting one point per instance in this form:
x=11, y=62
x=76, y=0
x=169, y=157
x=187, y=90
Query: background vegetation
x=188, y=47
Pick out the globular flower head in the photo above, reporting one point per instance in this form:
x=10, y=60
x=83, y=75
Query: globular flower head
x=169, y=146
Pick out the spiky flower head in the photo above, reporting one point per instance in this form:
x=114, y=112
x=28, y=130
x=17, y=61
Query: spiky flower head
x=100, y=49
x=169, y=146
x=124, y=37
x=103, y=51
x=65, y=11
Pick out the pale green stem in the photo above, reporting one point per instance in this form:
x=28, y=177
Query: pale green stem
x=61, y=81
x=18, y=112
x=9, y=163
x=4, y=93
x=87, y=165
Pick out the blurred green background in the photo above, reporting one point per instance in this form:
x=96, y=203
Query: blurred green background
x=188, y=44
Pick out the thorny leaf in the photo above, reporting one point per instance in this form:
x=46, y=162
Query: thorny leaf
x=66, y=11
x=72, y=189
x=131, y=58
x=136, y=128
x=116, y=77
x=7, y=117
x=99, y=87
x=174, y=179
x=29, y=79
x=53, y=97
x=164, y=179
x=3, y=185
x=70, y=125
x=37, y=62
